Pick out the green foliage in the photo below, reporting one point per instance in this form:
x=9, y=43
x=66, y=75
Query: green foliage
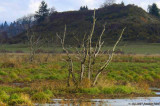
x=49, y=92
x=123, y=90
x=13, y=75
x=4, y=96
x=41, y=97
x=118, y=90
x=42, y=13
x=83, y=8
x=154, y=10
x=15, y=99
x=57, y=76
x=3, y=73
x=107, y=90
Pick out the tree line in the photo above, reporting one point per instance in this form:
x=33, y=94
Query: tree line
x=8, y=30
x=43, y=13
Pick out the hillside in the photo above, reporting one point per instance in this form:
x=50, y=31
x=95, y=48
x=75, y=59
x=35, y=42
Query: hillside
x=141, y=26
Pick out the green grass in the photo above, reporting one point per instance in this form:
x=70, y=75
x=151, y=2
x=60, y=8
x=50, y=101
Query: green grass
x=42, y=80
x=41, y=97
x=137, y=48
x=126, y=47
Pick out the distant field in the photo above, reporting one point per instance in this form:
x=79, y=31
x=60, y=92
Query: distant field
x=139, y=48
x=126, y=48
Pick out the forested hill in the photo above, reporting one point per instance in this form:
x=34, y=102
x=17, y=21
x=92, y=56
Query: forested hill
x=141, y=26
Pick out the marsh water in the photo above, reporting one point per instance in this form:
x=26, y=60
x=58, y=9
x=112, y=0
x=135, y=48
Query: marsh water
x=156, y=90
x=137, y=101
x=149, y=101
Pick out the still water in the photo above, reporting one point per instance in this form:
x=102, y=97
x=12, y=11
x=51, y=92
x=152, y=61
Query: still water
x=140, y=101
x=137, y=101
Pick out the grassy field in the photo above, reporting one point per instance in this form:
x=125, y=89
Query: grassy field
x=22, y=82
x=124, y=47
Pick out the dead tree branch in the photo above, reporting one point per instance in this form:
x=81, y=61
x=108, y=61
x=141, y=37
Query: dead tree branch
x=109, y=59
x=70, y=61
x=90, y=46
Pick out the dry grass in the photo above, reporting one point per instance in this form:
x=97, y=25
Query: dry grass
x=41, y=58
x=27, y=100
x=2, y=104
x=85, y=83
x=46, y=84
x=103, y=82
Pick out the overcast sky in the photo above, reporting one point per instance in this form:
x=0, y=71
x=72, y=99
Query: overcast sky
x=10, y=10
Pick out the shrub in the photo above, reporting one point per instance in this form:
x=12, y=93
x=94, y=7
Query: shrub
x=15, y=99
x=49, y=92
x=3, y=73
x=123, y=90
x=26, y=99
x=3, y=96
x=13, y=75
x=41, y=97
x=19, y=99
x=107, y=91
x=154, y=75
x=149, y=78
x=27, y=79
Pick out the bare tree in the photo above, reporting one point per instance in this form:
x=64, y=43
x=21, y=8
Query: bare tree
x=69, y=60
x=34, y=44
x=87, y=55
x=48, y=41
x=35, y=40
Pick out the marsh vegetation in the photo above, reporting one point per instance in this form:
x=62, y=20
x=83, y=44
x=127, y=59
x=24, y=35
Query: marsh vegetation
x=23, y=82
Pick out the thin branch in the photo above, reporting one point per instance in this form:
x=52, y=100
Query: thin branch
x=110, y=58
x=70, y=61
x=90, y=46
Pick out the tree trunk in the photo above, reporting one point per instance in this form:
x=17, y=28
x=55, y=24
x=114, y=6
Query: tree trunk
x=96, y=78
x=68, y=84
x=82, y=71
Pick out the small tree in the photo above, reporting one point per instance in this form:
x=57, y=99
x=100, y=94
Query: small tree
x=83, y=8
x=153, y=9
x=34, y=39
x=87, y=55
x=122, y=3
x=42, y=13
x=108, y=3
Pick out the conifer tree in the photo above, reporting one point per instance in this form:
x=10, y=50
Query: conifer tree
x=42, y=13
x=153, y=9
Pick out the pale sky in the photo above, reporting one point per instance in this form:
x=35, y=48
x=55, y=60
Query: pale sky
x=10, y=10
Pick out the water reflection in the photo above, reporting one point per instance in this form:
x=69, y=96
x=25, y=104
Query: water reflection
x=149, y=101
